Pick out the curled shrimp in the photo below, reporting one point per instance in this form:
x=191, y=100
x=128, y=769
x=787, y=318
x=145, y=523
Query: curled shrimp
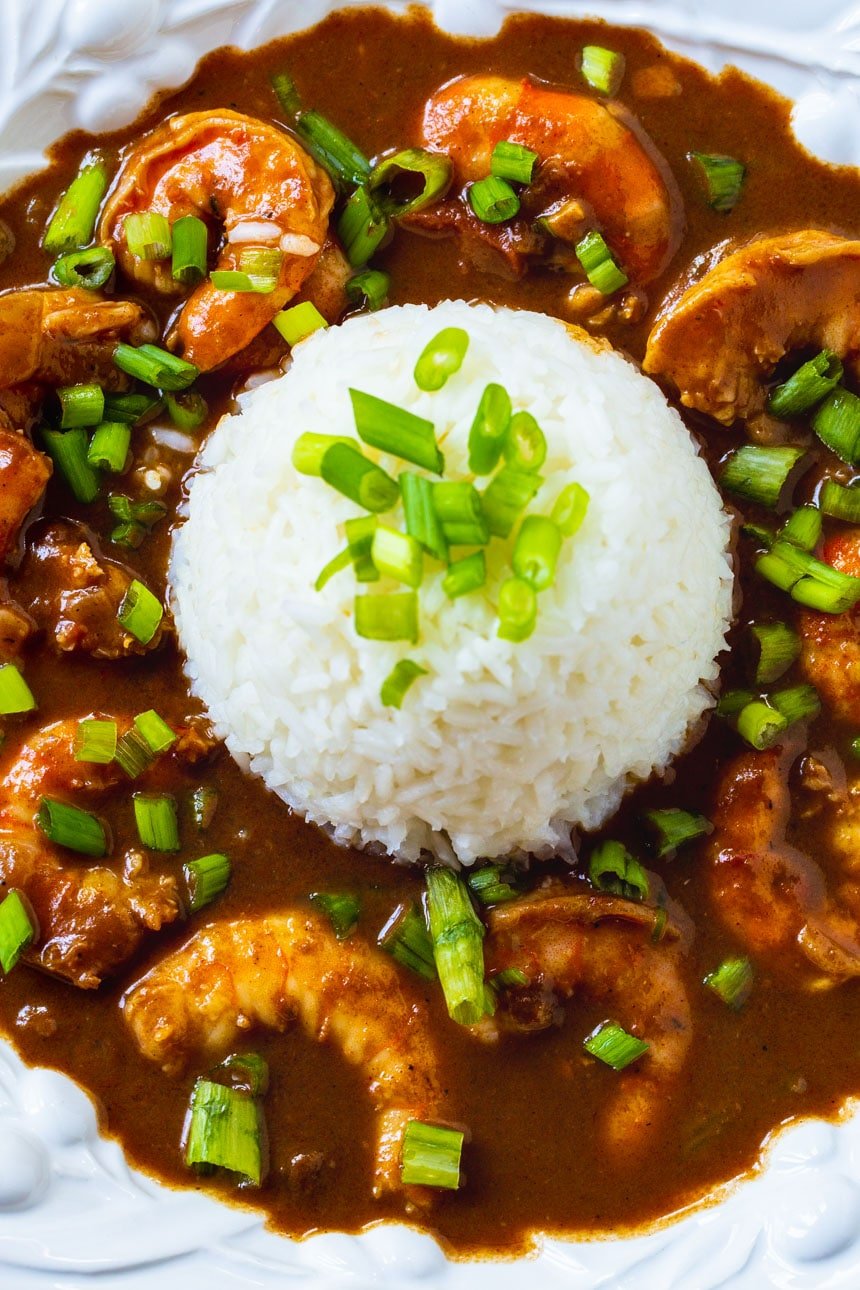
x=603, y=947
x=269, y=971
x=830, y=652
x=774, y=899
x=24, y=473
x=249, y=177
x=91, y=918
x=596, y=158
x=719, y=341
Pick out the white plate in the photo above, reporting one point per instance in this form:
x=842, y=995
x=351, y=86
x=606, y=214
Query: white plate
x=73, y=1216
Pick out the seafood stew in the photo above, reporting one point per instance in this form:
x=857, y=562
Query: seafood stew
x=176, y=938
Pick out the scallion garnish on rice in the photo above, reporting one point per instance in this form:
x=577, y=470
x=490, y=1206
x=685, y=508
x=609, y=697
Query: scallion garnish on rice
x=400, y=679
x=441, y=357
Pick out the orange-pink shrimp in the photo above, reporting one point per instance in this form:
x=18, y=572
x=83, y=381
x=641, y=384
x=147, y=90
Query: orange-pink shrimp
x=601, y=160
x=602, y=947
x=230, y=170
x=830, y=654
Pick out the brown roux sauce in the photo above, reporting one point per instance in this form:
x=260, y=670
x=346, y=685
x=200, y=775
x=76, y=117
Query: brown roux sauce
x=534, y=1162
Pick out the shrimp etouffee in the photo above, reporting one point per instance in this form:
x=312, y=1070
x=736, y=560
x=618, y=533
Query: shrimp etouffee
x=574, y=1044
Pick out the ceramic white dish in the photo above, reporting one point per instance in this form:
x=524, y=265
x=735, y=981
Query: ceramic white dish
x=73, y=1216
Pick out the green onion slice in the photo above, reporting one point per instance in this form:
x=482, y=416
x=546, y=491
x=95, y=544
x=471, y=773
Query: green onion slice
x=525, y=443
x=599, y=265
x=204, y=804
x=431, y=1156
x=493, y=200
x=341, y=909
x=17, y=930
x=190, y=250
x=299, y=322
x=249, y=1072
x=722, y=177
x=400, y=679
x=536, y=551
x=517, y=610
x=387, y=618
x=309, y=450
x=760, y=724
x=674, y=827
x=155, y=366
x=457, y=935
x=89, y=268
x=133, y=754
x=457, y=504
x=362, y=228
x=570, y=508
x=406, y=938
x=732, y=981
x=188, y=409
x=69, y=826
x=95, y=741
x=463, y=576
x=397, y=555
x=329, y=146
x=506, y=497
x=339, y=562
x=155, y=731
x=109, y=446
x=494, y=884
x=147, y=235
x=797, y=703
x=240, y=281
x=441, y=357
x=489, y=429
x=74, y=220
x=758, y=474
x=140, y=612
x=359, y=537
x=808, y=386
x=394, y=173
x=840, y=502
x=808, y=581
x=288, y=95
x=156, y=820
x=603, y=69
x=133, y=408
x=777, y=648
x=393, y=430
x=422, y=521
x=732, y=701
x=613, y=1046
x=837, y=424
x=225, y=1131
x=802, y=528
x=15, y=694
x=613, y=868
x=362, y=481
x=206, y=878
x=81, y=405
x=371, y=285
x=513, y=161
x=263, y=266
x=68, y=451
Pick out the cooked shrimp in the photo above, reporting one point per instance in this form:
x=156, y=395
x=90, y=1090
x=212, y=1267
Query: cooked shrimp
x=91, y=918
x=830, y=655
x=24, y=472
x=250, y=177
x=231, y=976
x=597, y=156
x=726, y=333
x=604, y=947
x=59, y=336
x=772, y=897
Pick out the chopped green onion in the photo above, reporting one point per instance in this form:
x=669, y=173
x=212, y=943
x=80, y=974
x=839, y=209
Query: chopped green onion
x=190, y=249
x=513, y=161
x=132, y=408
x=406, y=938
x=362, y=228
x=74, y=220
x=506, y=497
x=339, y=562
x=809, y=581
x=239, y=281
x=81, y=405
x=758, y=474
x=599, y=265
x=493, y=884
x=298, y=322
x=441, y=357
x=397, y=555
x=140, y=612
x=372, y=285
x=109, y=446
x=723, y=178
x=288, y=96
x=603, y=69
x=840, y=502
x=393, y=430
x=457, y=933
x=133, y=754
x=309, y=450
x=463, y=576
x=147, y=235
x=613, y=868
x=138, y=518
x=798, y=703
x=359, y=536
x=422, y=522
x=509, y=979
x=431, y=1156
x=362, y=481
x=732, y=981
x=69, y=826
x=387, y=618
x=536, y=551
x=156, y=820
x=525, y=443
x=155, y=366
x=489, y=429
x=155, y=730
x=434, y=168
x=17, y=930
x=763, y=536
x=802, y=528
x=808, y=386
x=732, y=701
x=248, y=1072
x=342, y=910
x=613, y=1046
x=458, y=506
x=399, y=680
x=15, y=694
x=675, y=827
x=263, y=266
x=855, y=748
x=493, y=200
x=204, y=803
x=778, y=647
x=89, y=268
x=517, y=610
x=760, y=724
x=837, y=424
x=329, y=146
x=188, y=409
x=205, y=879
x=95, y=741
x=68, y=451
x=570, y=508
x=225, y=1130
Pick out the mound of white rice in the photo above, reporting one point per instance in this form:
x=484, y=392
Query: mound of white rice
x=502, y=748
